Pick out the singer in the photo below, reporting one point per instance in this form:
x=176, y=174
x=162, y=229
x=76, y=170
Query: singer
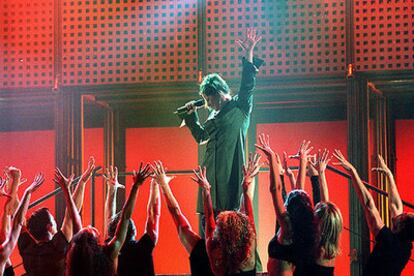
x=225, y=129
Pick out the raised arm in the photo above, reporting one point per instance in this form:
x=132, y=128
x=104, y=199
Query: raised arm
x=112, y=185
x=303, y=155
x=14, y=180
x=186, y=234
x=275, y=186
x=322, y=161
x=74, y=217
x=78, y=196
x=9, y=244
x=201, y=179
x=153, y=212
x=395, y=204
x=250, y=68
x=288, y=172
x=249, y=173
x=5, y=217
x=372, y=216
x=118, y=240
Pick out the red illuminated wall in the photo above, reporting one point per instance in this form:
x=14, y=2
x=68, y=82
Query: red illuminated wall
x=404, y=175
x=178, y=151
x=287, y=137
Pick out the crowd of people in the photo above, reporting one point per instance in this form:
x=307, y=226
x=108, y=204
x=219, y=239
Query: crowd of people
x=307, y=228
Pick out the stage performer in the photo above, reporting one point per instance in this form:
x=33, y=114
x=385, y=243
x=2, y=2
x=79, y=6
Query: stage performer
x=225, y=129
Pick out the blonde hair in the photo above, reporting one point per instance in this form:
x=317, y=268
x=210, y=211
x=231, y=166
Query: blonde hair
x=329, y=228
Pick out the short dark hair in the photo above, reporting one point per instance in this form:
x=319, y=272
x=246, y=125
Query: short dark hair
x=132, y=231
x=212, y=84
x=38, y=223
x=405, y=226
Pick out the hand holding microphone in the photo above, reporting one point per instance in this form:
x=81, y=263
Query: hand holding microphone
x=190, y=107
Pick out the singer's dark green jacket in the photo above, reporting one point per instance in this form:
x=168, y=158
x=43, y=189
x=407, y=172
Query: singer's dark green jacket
x=225, y=133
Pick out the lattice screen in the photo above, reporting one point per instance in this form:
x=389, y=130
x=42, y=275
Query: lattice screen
x=384, y=34
x=26, y=43
x=129, y=41
x=299, y=37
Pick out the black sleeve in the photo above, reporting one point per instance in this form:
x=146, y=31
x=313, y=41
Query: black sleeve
x=280, y=251
x=146, y=244
x=316, y=189
x=248, y=83
x=282, y=180
x=24, y=241
x=193, y=123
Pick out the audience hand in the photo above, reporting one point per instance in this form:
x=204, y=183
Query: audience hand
x=142, y=174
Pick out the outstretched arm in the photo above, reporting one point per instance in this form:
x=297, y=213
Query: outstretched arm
x=5, y=218
x=395, y=203
x=321, y=163
x=112, y=185
x=153, y=212
x=9, y=244
x=74, y=217
x=188, y=237
x=275, y=186
x=78, y=196
x=372, y=216
x=303, y=155
x=201, y=179
x=289, y=172
x=250, y=68
x=14, y=180
x=249, y=173
x=118, y=240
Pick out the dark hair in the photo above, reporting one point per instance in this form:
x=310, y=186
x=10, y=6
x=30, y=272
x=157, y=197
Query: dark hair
x=132, y=231
x=38, y=223
x=404, y=225
x=86, y=256
x=212, y=84
x=299, y=208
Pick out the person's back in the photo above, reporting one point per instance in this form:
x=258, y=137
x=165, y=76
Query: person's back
x=136, y=257
x=43, y=258
x=390, y=254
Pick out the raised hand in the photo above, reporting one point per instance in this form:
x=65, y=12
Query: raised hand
x=159, y=174
x=342, y=161
x=264, y=146
x=63, y=181
x=251, y=40
x=304, y=151
x=39, y=179
x=143, y=173
x=286, y=168
x=251, y=169
x=322, y=160
x=3, y=187
x=12, y=172
x=382, y=166
x=201, y=178
x=111, y=177
x=88, y=172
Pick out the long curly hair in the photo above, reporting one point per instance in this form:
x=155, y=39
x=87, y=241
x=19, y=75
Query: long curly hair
x=86, y=256
x=329, y=222
x=234, y=234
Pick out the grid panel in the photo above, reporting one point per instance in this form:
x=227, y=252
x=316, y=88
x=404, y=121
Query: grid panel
x=299, y=37
x=118, y=41
x=384, y=34
x=26, y=43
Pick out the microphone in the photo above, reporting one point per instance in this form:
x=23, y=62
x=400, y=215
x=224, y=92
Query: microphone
x=183, y=109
